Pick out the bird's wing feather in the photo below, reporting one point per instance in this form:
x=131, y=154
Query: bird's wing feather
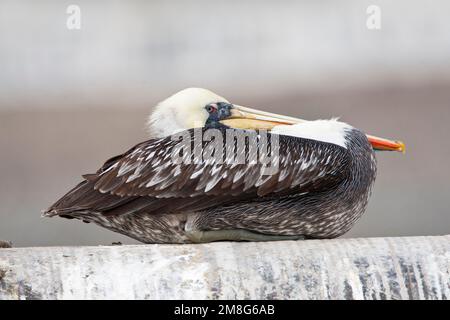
x=145, y=178
x=148, y=170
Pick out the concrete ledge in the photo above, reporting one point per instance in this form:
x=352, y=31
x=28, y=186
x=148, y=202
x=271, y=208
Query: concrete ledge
x=376, y=268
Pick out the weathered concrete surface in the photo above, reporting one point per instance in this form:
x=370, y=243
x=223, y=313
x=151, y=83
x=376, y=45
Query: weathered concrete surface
x=377, y=268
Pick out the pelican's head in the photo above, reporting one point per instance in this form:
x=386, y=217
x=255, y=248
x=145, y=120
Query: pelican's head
x=196, y=107
x=182, y=111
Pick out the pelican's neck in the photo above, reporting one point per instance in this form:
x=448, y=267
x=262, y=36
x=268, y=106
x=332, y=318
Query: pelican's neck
x=330, y=131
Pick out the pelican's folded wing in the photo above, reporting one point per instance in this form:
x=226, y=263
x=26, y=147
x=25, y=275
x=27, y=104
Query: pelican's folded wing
x=149, y=169
x=147, y=179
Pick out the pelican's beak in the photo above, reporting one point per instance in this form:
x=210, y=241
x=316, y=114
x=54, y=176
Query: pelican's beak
x=249, y=118
x=381, y=144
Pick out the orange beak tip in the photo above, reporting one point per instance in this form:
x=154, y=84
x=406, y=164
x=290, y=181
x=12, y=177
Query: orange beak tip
x=402, y=147
x=381, y=144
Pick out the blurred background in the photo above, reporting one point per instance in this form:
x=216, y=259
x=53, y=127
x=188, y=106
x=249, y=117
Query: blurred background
x=70, y=99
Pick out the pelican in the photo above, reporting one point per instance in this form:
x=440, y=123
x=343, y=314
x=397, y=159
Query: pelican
x=320, y=187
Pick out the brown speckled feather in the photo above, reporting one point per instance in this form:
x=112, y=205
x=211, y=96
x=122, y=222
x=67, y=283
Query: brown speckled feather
x=145, y=179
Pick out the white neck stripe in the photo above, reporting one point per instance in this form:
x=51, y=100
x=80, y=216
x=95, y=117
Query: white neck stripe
x=331, y=131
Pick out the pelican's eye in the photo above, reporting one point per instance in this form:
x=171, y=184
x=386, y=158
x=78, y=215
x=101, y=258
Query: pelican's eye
x=211, y=108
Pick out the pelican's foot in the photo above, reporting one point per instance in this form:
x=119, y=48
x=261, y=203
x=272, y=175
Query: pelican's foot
x=236, y=235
